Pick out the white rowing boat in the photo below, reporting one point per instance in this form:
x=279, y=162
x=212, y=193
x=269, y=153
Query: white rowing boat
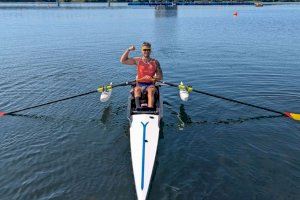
x=144, y=135
x=144, y=132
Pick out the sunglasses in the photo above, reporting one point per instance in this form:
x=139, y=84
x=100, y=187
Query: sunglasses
x=146, y=49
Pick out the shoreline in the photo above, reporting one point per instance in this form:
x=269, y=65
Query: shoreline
x=97, y=5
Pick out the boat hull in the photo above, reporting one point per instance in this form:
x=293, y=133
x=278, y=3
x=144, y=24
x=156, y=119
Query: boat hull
x=144, y=135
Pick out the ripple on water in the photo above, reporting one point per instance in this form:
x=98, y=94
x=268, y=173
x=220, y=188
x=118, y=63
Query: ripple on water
x=211, y=149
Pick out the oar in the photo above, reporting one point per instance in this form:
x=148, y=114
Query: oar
x=293, y=116
x=64, y=99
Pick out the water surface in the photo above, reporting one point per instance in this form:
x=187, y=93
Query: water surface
x=210, y=149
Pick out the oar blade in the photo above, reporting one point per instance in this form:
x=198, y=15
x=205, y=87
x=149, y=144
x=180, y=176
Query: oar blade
x=293, y=116
x=2, y=114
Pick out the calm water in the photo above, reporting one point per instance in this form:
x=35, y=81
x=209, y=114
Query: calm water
x=210, y=149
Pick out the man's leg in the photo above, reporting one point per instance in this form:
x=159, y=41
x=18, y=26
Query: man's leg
x=151, y=91
x=137, y=96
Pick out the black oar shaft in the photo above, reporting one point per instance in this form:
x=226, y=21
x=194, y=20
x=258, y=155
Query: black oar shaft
x=228, y=99
x=67, y=98
x=51, y=102
x=237, y=101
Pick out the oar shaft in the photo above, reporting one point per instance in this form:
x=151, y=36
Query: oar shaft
x=239, y=102
x=51, y=102
x=124, y=84
x=67, y=98
x=228, y=99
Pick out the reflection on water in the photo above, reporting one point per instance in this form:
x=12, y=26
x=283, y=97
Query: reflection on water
x=161, y=130
x=106, y=114
x=165, y=13
x=183, y=117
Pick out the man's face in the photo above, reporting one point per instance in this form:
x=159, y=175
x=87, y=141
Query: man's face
x=146, y=51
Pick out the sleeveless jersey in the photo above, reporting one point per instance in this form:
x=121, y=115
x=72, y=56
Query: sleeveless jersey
x=146, y=68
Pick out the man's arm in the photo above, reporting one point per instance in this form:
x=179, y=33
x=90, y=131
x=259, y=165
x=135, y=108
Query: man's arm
x=125, y=59
x=159, y=74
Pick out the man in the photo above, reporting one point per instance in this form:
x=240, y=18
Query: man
x=148, y=71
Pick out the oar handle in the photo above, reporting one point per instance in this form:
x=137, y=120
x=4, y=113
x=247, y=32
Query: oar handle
x=143, y=79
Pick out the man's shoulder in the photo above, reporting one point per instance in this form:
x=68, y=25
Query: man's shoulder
x=137, y=58
x=155, y=60
x=157, y=63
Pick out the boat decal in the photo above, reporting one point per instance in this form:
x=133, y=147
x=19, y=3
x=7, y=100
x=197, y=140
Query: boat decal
x=143, y=153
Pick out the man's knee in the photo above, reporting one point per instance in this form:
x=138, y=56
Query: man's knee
x=137, y=89
x=151, y=91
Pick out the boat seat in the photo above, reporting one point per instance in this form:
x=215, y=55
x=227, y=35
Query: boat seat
x=144, y=103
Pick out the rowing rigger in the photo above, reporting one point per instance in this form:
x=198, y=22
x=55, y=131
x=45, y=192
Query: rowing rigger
x=145, y=126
